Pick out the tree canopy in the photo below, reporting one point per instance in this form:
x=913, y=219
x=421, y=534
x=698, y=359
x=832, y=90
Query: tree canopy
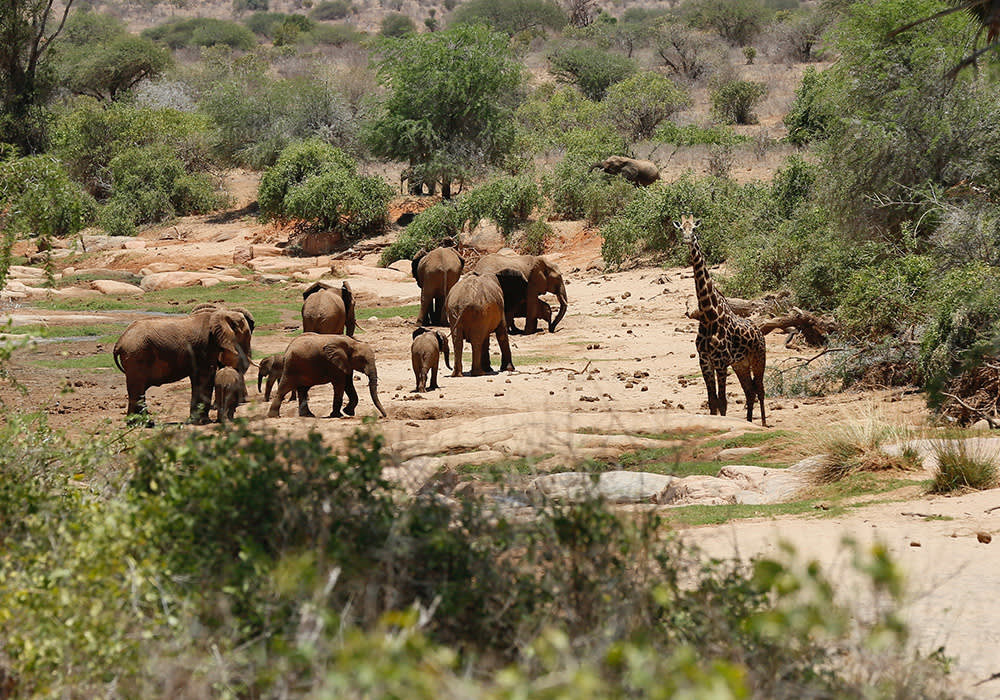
x=449, y=103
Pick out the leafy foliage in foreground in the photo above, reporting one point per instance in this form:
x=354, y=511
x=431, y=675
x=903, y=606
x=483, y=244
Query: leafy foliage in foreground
x=247, y=563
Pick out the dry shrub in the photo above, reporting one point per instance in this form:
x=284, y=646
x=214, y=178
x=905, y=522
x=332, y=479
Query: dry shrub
x=855, y=444
x=972, y=395
x=963, y=465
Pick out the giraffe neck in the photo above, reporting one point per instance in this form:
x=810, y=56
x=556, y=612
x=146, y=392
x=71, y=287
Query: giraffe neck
x=708, y=299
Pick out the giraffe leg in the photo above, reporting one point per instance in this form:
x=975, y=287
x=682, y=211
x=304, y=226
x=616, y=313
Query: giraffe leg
x=749, y=388
x=709, y=375
x=720, y=379
x=757, y=369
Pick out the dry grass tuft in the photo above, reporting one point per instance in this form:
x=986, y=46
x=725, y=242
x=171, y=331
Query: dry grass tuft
x=963, y=466
x=855, y=444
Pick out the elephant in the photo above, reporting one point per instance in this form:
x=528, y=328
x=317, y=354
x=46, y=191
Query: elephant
x=523, y=279
x=319, y=358
x=326, y=310
x=475, y=309
x=544, y=314
x=426, y=353
x=228, y=386
x=270, y=367
x=157, y=351
x=639, y=172
x=436, y=273
x=211, y=306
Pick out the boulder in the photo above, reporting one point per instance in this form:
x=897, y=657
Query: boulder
x=613, y=486
x=403, y=266
x=156, y=267
x=114, y=287
x=701, y=490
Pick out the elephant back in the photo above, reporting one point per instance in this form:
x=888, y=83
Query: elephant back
x=324, y=311
x=475, y=299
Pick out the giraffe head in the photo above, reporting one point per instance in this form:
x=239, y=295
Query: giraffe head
x=686, y=226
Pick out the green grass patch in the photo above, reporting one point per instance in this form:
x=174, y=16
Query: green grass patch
x=717, y=515
x=270, y=304
x=101, y=360
x=751, y=439
x=500, y=471
x=75, y=330
x=408, y=311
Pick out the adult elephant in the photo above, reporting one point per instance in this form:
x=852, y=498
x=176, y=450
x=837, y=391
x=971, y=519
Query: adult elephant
x=639, y=172
x=475, y=310
x=327, y=310
x=436, y=273
x=156, y=351
x=322, y=358
x=523, y=279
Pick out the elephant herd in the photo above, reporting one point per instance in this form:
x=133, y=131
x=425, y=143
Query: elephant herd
x=211, y=345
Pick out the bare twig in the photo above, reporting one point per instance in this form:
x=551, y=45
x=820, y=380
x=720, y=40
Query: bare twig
x=985, y=416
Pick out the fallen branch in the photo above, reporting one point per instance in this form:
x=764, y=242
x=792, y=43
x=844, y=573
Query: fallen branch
x=982, y=414
x=815, y=330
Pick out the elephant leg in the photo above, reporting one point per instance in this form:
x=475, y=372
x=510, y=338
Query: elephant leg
x=202, y=385
x=477, y=358
x=720, y=380
x=284, y=388
x=434, y=378
x=303, y=394
x=485, y=354
x=531, y=313
x=425, y=307
x=506, y=360
x=136, y=396
x=708, y=374
x=267, y=387
x=338, y=398
x=457, y=346
x=352, y=395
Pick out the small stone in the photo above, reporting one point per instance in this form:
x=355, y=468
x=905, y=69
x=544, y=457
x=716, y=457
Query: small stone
x=914, y=543
x=645, y=388
x=629, y=385
x=507, y=382
x=626, y=295
x=984, y=537
x=692, y=355
x=589, y=398
x=499, y=393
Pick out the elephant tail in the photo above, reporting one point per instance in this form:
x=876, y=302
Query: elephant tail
x=117, y=354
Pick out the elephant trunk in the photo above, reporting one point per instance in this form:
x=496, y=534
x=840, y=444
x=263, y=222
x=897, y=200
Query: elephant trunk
x=444, y=346
x=373, y=389
x=594, y=167
x=260, y=376
x=563, y=303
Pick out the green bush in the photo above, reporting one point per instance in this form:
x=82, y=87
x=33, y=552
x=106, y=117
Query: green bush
x=89, y=136
x=507, y=201
x=577, y=191
x=646, y=225
x=396, y=24
x=319, y=184
x=733, y=102
x=202, y=31
x=151, y=184
x=331, y=9
x=810, y=114
x=961, y=467
x=536, y=235
x=887, y=297
x=42, y=199
x=638, y=104
x=241, y=6
x=426, y=231
x=694, y=135
x=552, y=113
x=590, y=69
x=332, y=35
x=264, y=23
x=511, y=16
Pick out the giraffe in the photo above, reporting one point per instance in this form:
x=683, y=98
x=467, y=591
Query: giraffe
x=723, y=337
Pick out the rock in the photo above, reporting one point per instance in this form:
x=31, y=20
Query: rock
x=403, y=266
x=170, y=280
x=275, y=263
x=414, y=474
x=773, y=485
x=134, y=245
x=156, y=267
x=614, y=486
x=321, y=243
x=735, y=453
x=981, y=424
x=274, y=278
x=378, y=273
x=703, y=490
x=113, y=287
x=21, y=271
x=242, y=254
x=984, y=537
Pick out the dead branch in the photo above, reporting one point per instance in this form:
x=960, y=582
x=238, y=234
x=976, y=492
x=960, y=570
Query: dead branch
x=815, y=330
x=982, y=414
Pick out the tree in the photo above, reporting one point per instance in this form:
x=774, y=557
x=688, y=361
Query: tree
x=28, y=30
x=688, y=52
x=736, y=21
x=511, y=16
x=733, y=102
x=449, y=103
x=101, y=59
x=396, y=24
x=590, y=69
x=637, y=105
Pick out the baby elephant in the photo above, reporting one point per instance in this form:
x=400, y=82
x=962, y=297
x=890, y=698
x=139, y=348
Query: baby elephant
x=271, y=368
x=229, y=388
x=426, y=353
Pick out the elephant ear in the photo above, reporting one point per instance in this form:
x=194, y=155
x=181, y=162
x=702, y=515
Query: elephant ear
x=224, y=327
x=513, y=283
x=312, y=289
x=419, y=332
x=336, y=354
x=247, y=315
x=347, y=295
x=416, y=264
